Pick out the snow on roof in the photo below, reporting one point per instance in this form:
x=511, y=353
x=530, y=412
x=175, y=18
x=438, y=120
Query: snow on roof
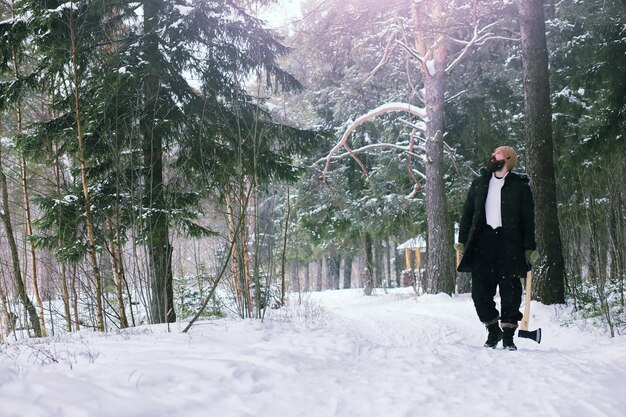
x=413, y=243
x=420, y=242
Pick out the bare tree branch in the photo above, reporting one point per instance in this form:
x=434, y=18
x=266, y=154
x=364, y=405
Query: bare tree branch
x=358, y=161
x=407, y=62
x=410, y=50
x=449, y=99
x=388, y=49
x=412, y=172
x=363, y=149
x=479, y=37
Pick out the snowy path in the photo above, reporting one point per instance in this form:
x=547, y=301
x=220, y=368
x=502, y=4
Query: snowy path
x=340, y=354
x=436, y=341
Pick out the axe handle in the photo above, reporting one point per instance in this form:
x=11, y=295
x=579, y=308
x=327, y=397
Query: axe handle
x=526, y=318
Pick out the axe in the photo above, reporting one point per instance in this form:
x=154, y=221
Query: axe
x=523, y=332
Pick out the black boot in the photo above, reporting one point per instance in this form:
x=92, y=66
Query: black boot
x=507, y=339
x=494, y=336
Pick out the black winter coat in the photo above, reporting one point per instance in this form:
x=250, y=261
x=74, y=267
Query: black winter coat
x=518, y=221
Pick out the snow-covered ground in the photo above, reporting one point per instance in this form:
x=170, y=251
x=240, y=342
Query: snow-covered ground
x=336, y=353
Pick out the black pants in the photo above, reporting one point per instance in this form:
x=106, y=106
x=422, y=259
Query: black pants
x=490, y=271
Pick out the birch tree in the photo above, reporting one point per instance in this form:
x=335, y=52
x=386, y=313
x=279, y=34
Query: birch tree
x=18, y=277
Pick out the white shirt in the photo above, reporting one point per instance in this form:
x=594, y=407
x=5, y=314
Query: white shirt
x=493, y=212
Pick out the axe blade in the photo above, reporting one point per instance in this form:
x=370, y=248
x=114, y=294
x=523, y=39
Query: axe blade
x=533, y=335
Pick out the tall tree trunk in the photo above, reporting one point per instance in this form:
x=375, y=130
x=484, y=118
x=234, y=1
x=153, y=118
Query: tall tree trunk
x=378, y=263
x=347, y=271
x=6, y=322
x=235, y=260
x=398, y=265
x=538, y=122
x=295, y=276
x=64, y=290
x=430, y=24
x=31, y=245
x=388, y=259
x=75, y=298
x=18, y=280
x=283, y=259
x=334, y=265
x=246, y=257
x=83, y=172
x=118, y=273
x=65, y=296
x=307, y=278
x=158, y=244
x=617, y=231
x=29, y=223
x=318, y=275
x=368, y=285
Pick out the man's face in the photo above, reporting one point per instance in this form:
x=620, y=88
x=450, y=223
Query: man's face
x=497, y=162
x=498, y=156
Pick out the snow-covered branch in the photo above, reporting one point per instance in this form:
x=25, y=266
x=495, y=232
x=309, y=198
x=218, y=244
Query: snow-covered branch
x=383, y=109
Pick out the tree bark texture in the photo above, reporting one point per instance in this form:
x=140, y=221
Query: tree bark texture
x=550, y=272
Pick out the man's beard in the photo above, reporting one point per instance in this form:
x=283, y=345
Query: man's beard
x=494, y=165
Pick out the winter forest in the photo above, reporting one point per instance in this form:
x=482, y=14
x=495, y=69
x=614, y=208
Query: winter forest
x=164, y=161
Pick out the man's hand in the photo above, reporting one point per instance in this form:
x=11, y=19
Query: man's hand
x=460, y=247
x=531, y=256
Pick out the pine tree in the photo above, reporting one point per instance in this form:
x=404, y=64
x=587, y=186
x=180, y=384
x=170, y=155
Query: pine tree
x=130, y=86
x=538, y=117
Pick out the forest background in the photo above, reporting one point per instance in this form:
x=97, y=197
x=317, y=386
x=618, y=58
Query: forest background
x=165, y=160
